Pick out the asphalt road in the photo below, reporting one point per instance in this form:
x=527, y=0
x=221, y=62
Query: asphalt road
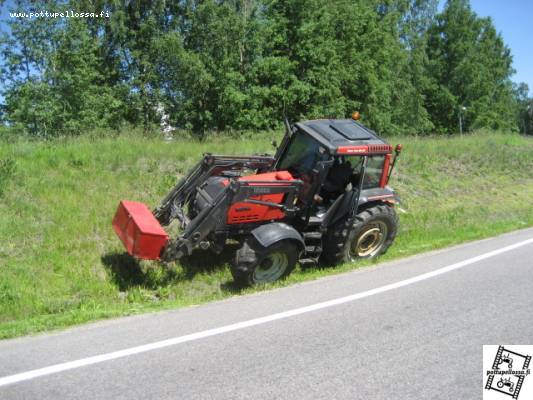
x=411, y=329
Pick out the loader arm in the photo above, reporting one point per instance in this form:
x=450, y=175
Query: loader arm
x=211, y=165
x=213, y=216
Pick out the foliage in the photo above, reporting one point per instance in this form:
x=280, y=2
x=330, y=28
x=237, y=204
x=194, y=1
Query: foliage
x=246, y=64
x=469, y=67
x=524, y=108
x=61, y=89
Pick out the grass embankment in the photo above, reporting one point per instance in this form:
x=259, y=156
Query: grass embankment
x=61, y=264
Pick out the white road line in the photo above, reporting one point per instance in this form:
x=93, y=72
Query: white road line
x=83, y=362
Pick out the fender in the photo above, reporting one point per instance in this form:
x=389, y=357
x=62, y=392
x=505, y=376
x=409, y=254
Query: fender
x=274, y=232
x=385, y=194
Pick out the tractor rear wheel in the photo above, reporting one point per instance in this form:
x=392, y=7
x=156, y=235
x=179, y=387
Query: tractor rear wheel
x=368, y=235
x=255, y=264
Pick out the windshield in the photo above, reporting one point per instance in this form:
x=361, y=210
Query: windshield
x=301, y=154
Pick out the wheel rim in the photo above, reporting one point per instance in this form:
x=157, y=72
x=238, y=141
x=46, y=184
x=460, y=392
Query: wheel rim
x=271, y=267
x=370, y=241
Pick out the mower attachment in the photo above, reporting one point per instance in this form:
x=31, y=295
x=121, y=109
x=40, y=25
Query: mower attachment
x=139, y=230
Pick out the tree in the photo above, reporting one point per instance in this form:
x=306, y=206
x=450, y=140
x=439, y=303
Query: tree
x=246, y=64
x=26, y=49
x=417, y=17
x=524, y=108
x=470, y=66
x=79, y=85
x=185, y=83
x=55, y=77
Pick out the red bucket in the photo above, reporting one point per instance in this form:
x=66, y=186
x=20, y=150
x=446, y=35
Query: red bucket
x=139, y=230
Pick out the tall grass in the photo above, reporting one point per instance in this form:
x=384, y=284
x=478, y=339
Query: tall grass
x=60, y=262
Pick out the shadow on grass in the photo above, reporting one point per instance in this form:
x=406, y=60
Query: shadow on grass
x=206, y=261
x=127, y=272
x=232, y=287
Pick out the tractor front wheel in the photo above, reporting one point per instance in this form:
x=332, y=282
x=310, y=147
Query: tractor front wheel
x=255, y=264
x=368, y=235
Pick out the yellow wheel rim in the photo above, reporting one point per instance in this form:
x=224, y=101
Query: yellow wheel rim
x=370, y=240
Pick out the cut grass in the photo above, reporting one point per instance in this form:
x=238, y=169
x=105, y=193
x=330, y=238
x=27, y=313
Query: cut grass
x=61, y=264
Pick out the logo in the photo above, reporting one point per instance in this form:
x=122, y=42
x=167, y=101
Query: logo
x=506, y=370
x=261, y=190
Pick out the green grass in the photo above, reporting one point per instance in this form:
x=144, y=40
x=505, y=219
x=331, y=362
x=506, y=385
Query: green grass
x=61, y=264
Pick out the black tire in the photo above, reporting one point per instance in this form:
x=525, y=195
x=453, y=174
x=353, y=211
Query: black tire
x=255, y=264
x=344, y=241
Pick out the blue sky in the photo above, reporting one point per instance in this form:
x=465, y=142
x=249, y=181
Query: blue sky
x=513, y=19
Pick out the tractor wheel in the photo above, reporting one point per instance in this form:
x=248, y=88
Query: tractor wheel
x=368, y=235
x=255, y=264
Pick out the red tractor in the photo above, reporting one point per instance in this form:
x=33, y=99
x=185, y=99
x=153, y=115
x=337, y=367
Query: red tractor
x=322, y=197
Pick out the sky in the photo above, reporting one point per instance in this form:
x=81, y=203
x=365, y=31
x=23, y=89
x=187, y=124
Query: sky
x=513, y=19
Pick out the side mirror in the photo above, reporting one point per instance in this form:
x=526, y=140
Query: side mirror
x=398, y=149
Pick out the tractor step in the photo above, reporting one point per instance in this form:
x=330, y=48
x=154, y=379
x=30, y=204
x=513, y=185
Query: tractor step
x=313, y=221
x=313, y=250
x=305, y=262
x=312, y=235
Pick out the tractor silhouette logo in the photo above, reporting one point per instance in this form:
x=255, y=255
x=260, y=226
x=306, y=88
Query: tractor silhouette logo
x=506, y=382
x=505, y=359
x=508, y=372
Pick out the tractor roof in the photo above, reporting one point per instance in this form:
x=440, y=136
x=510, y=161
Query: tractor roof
x=345, y=136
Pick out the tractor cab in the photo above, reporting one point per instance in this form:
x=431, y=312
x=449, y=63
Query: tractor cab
x=337, y=162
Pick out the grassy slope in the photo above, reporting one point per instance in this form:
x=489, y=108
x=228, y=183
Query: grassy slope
x=61, y=264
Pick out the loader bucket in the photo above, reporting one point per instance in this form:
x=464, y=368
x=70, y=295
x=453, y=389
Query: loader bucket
x=140, y=232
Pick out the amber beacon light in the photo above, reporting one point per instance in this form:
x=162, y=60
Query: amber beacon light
x=356, y=116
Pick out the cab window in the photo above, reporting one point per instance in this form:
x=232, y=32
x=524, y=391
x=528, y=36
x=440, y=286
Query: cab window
x=374, y=169
x=301, y=155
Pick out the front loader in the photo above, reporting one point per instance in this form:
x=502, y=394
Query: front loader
x=323, y=197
